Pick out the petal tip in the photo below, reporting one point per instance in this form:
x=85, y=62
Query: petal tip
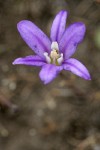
x=22, y=24
x=89, y=78
x=13, y=63
x=45, y=82
x=16, y=61
x=63, y=11
x=82, y=25
x=19, y=24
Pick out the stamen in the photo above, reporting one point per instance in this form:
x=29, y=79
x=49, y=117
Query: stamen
x=47, y=58
x=60, y=59
x=55, y=57
x=55, y=46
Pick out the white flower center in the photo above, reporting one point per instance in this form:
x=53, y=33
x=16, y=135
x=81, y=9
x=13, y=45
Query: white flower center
x=55, y=57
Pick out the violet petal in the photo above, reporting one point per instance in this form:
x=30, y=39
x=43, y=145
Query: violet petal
x=77, y=68
x=34, y=37
x=72, y=36
x=58, y=26
x=30, y=60
x=49, y=72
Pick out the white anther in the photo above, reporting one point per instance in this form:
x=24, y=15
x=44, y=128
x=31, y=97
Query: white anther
x=60, y=59
x=47, y=58
x=55, y=46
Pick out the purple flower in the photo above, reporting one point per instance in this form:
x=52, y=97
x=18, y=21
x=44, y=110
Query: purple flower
x=53, y=54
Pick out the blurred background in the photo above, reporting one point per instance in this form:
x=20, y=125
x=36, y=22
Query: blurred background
x=65, y=114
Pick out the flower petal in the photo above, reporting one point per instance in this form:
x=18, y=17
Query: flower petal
x=30, y=60
x=58, y=26
x=77, y=68
x=34, y=37
x=72, y=36
x=49, y=72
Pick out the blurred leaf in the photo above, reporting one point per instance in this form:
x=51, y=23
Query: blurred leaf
x=97, y=37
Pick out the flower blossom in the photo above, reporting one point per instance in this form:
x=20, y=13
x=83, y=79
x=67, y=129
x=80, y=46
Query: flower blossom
x=53, y=54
